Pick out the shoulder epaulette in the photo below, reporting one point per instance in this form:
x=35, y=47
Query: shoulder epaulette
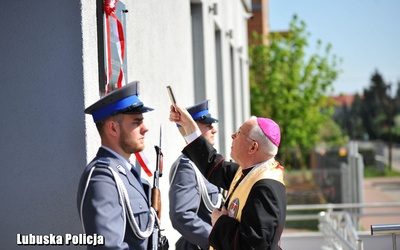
x=103, y=162
x=184, y=159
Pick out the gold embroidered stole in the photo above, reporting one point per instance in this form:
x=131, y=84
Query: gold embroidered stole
x=269, y=170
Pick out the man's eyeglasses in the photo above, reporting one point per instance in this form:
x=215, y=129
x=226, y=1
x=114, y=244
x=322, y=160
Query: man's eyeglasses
x=241, y=133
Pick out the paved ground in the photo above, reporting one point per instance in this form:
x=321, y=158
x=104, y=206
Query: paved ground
x=381, y=190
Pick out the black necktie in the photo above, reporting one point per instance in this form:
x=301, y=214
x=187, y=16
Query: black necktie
x=136, y=174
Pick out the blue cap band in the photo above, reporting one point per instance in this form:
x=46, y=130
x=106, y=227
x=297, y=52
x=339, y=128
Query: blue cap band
x=110, y=109
x=197, y=115
x=200, y=114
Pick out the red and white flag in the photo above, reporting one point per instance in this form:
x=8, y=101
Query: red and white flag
x=144, y=162
x=113, y=31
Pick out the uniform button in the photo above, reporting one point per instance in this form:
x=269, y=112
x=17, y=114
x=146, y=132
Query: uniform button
x=140, y=206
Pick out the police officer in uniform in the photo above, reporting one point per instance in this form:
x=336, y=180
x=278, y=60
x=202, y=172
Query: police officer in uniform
x=191, y=197
x=254, y=213
x=113, y=200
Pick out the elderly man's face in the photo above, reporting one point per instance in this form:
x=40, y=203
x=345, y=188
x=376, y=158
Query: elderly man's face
x=241, y=142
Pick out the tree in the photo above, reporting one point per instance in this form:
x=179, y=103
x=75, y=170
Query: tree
x=292, y=89
x=357, y=129
x=332, y=135
x=376, y=110
x=396, y=108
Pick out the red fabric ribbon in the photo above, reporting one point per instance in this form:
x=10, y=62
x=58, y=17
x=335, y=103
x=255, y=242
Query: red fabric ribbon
x=141, y=158
x=109, y=14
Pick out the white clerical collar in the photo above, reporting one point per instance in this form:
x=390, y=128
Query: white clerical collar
x=264, y=162
x=127, y=164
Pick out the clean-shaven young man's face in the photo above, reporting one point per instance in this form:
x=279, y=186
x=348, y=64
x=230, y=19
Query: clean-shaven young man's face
x=208, y=132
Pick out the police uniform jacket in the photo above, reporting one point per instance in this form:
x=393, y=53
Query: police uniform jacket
x=102, y=211
x=188, y=214
x=263, y=215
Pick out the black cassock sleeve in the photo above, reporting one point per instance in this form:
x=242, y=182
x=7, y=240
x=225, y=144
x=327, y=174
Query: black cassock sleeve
x=211, y=164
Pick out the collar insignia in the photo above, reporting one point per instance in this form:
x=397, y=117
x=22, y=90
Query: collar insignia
x=121, y=169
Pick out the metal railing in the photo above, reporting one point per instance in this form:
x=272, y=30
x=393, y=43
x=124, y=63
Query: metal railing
x=340, y=227
x=338, y=230
x=384, y=229
x=331, y=206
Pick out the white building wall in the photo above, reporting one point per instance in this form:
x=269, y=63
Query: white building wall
x=49, y=73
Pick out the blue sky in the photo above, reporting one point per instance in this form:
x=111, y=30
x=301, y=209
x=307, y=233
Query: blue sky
x=364, y=33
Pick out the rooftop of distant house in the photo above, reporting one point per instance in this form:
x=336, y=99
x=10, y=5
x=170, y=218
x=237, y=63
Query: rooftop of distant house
x=342, y=100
